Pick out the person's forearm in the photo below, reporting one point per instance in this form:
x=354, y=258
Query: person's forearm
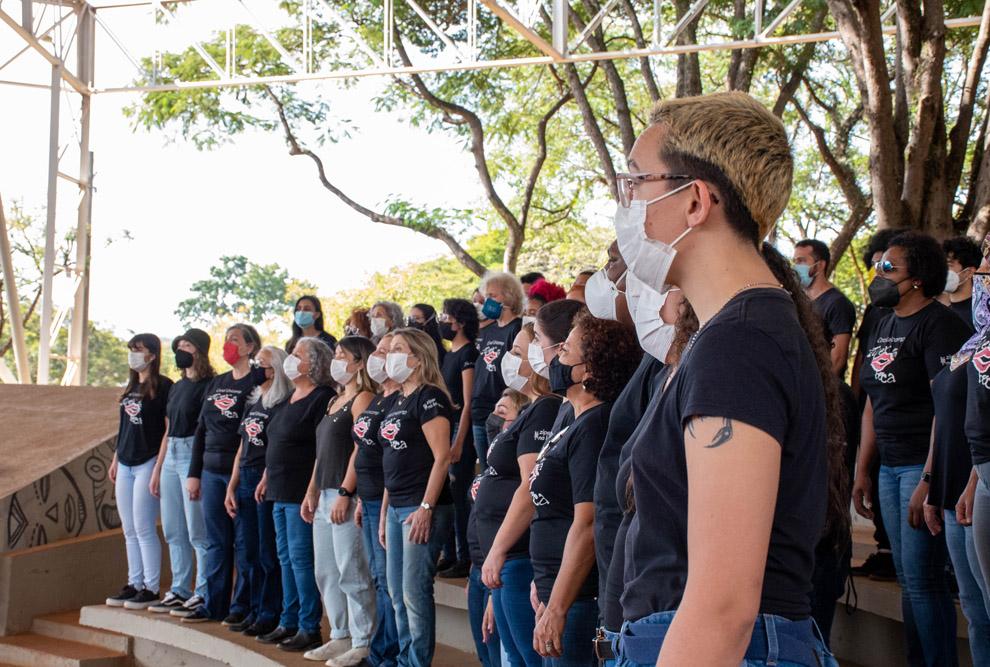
x=350, y=477
x=464, y=425
x=163, y=450
x=578, y=559
x=517, y=519
x=867, y=443
x=235, y=473
x=438, y=474
x=713, y=632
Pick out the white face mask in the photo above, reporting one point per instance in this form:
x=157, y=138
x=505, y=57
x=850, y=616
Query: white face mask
x=136, y=361
x=600, y=294
x=378, y=327
x=528, y=320
x=655, y=335
x=951, y=282
x=534, y=354
x=395, y=366
x=376, y=369
x=510, y=372
x=648, y=259
x=338, y=371
x=291, y=367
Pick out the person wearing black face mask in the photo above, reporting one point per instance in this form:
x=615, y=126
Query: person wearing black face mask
x=423, y=316
x=905, y=352
x=182, y=519
x=459, y=324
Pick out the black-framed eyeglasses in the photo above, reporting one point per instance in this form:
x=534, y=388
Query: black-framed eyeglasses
x=885, y=266
x=625, y=183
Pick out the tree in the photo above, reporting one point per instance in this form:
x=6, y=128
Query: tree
x=237, y=286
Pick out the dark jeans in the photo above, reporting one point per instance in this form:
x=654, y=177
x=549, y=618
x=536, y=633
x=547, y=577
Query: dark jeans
x=579, y=636
x=489, y=653
x=255, y=553
x=461, y=475
x=879, y=530
x=220, y=545
x=828, y=584
x=385, y=644
x=514, y=615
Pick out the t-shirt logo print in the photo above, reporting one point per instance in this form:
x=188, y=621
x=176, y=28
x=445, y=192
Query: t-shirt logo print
x=133, y=410
x=361, y=428
x=224, y=402
x=254, y=428
x=981, y=358
x=882, y=360
x=389, y=430
x=490, y=355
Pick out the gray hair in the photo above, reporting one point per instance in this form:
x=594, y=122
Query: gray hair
x=513, y=296
x=281, y=385
x=394, y=312
x=319, y=356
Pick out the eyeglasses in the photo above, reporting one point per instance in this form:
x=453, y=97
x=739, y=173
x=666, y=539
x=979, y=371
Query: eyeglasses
x=627, y=181
x=885, y=266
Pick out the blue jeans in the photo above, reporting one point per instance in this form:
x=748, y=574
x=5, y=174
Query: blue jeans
x=385, y=644
x=461, y=475
x=919, y=558
x=514, y=616
x=182, y=521
x=411, y=569
x=220, y=544
x=775, y=640
x=981, y=521
x=489, y=653
x=480, y=435
x=255, y=552
x=138, y=511
x=301, y=606
x=972, y=589
x=579, y=635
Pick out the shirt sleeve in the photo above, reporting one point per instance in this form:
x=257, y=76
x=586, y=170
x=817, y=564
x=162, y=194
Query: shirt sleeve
x=470, y=358
x=941, y=340
x=841, y=315
x=740, y=373
x=433, y=403
x=583, y=447
x=535, y=432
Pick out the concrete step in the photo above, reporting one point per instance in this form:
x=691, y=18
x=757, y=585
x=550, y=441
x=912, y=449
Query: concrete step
x=41, y=651
x=65, y=625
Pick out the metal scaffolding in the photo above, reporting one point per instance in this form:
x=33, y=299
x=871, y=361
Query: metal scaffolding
x=64, y=32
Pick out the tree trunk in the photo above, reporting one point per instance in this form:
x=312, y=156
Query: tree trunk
x=688, y=66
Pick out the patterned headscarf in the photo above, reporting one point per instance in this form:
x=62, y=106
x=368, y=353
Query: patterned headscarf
x=981, y=312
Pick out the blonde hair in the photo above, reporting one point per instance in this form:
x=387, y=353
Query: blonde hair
x=734, y=136
x=513, y=297
x=537, y=383
x=423, y=348
x=518, y=399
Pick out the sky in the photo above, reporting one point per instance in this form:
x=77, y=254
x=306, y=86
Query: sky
x=184, y=208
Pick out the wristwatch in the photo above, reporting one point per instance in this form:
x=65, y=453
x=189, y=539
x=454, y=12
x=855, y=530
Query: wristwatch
x=426, y=506
x=926, y=477
x=344, y=492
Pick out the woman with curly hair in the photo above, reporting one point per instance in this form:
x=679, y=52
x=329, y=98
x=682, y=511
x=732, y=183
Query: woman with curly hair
x=592, y=367
x=358, y=323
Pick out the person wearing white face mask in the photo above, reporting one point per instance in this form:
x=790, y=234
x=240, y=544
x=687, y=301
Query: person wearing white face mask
x=964, y=258
x=143, y=425
x=416, y=509
x=385, y=316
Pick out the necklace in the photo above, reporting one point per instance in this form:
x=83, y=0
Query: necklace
x=745, y=287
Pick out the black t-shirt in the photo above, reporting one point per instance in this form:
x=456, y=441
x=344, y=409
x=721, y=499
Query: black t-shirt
x=217, y=437
x=185, y=400
x=750, y=363
x=626, y=414
x=254, y=433
x=871, y=316
x=493, y=343
x=527, y=435
x=978, y=400
x=902, y=357
x=564, y=475
x=407, y=459
x=334, y=446
x=609, y=603
x=292, y=445
x=838, y=312
x=474, y=541
x=964, y=309
x=142, y=424
x=454, y=364
x=368, y=461
x=951, y=460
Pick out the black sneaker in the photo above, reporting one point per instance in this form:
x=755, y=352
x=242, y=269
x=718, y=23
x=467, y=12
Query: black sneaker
x=242, y=626
x=142, y=600
x=233, y=618
x=302, y=641
x=444, y=563
x=258, y=628
x=199, y=615
x=458, y=570
x=188, y=607
x=125, y=594
x=280, y=633
x=870, y=565
x=884, y=570
x=169, y=602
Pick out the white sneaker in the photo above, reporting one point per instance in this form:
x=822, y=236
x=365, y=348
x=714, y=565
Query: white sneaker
x=351, y=658
x=331, y=649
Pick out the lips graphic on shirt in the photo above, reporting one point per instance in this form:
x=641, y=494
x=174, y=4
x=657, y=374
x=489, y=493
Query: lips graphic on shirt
x=361, y=428
x=224, y=403
x=390, y=431
x=253, y=429
x=881, y=361
x=981, y=359
x=491, y=356
x=132, y=409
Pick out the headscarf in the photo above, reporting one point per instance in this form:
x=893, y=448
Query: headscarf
x=981, y=312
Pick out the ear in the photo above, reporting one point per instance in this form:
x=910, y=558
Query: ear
x=699, y=204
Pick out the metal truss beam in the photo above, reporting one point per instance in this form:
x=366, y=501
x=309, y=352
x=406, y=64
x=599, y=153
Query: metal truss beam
x=54, y=60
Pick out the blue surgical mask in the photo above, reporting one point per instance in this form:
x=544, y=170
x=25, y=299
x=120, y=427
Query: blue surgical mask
x=304, y=318
x=803, y=272
x=492, y=309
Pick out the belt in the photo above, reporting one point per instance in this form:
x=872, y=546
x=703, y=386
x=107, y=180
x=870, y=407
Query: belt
x=603, y=647
x=790, y=642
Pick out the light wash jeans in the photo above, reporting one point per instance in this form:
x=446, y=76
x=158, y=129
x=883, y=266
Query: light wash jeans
x=301, y=607
x=972, y=589
x=138, y=511
x=411, y=570
x=182, y=520
x=927, y=606
x=342, y=574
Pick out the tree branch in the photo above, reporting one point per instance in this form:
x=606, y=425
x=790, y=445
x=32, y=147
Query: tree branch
x=541, y=156
x=644, y=62
x=959, y=135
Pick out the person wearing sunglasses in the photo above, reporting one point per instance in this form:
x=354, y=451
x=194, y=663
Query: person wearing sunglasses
x=906, y=350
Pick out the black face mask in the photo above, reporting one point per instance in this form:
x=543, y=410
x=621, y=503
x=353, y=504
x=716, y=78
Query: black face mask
x=259, y=375
x=493, y=426
x=560, y=376
x=884, y=292
x=183, y=359
x=447, y=331
x=413, y=324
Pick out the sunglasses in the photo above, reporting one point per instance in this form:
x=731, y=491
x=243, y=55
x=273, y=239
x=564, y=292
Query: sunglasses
x=884, y=266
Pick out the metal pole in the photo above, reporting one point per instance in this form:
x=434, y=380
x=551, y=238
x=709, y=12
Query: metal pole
x=13, y=305
x=560, y=20
x=45, y=334
x=27, y=17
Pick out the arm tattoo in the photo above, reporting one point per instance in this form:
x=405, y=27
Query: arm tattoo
x=723, y=435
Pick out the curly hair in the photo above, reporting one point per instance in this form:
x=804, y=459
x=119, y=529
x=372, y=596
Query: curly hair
x=466, y=315
x=611, y=353
x=319, y=356
x=359, y=318
x=878, y=242
x=925, y=260
x=546, y=291
x=964, y=250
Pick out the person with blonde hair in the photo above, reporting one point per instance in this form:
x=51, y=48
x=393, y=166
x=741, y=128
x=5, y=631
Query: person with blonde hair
x=417, y=508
